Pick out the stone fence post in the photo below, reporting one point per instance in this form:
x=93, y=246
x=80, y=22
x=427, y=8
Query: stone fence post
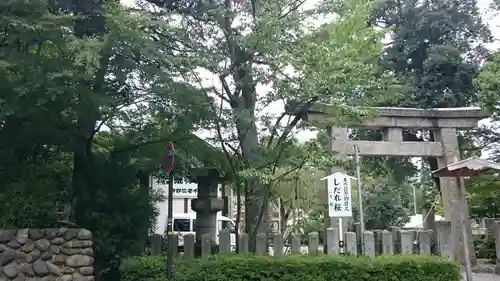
x=332, y=241
x=295, y=244
x=443, y=236
x=156, y=244
x=313, y=243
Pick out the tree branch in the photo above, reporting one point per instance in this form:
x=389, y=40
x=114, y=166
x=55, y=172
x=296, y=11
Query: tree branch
x=230, y=99
x=115, y=110
x=150, y=142
x=288, y=129
x=223, y=145
x=204, y=90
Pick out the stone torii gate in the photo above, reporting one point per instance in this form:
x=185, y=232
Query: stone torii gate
x=444, y=122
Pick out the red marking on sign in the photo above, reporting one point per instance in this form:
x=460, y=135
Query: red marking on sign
x=168, y=159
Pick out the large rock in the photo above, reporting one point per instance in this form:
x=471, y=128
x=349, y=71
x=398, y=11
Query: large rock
x=20, y=277
x=79, y=261
x=41, y=268
x=6, y=235
x=46, y=256
x=55, y=249
x=35, y=234
x=30, y=246
x=51, y=233
x=7, y=256
x=84, y=234
x=43, y=244
x=11, y=270
x=27, y=269
x=20, y=257
x=70, y=233
x=77, y=276
x=88, y=252
x=33, y=256
x=86, y=270
x=58, y=259
x=78, y=244
x=66, y=277
x=68, y=270
x=72, y=251
x=57, y=241
x=14, y=244
x=48, y=278
x=61, y=231
x=22, y=236
x=54, y=269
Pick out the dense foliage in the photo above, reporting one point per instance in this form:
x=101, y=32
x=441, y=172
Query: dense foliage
x=87, y=103
x=291, y=268
x=385, y=203
x=91, y=90
x=435, y=50
x=485, y=198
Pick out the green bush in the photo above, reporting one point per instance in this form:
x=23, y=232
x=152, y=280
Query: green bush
x=293, y=268
x=484, y=246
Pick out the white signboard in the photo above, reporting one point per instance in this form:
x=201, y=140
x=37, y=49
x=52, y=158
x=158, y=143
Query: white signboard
x=339, y=195
x=181, y=190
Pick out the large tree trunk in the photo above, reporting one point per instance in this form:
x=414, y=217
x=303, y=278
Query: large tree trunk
x=256, y=193
x=82, y=173
x=91, y=24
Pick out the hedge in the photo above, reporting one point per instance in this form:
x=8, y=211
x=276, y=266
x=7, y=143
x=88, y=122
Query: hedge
x=293, y=268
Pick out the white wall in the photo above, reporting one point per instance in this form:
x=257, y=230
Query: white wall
x=182, y=191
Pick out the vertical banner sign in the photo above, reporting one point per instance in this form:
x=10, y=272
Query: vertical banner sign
x=339, y=195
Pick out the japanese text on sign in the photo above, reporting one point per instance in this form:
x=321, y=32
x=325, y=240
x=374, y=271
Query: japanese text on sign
x=339, y=195
x=185, y=190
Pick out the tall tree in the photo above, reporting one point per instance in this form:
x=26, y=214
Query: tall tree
x=88, y=99
x=250, y=44
x=435, y=49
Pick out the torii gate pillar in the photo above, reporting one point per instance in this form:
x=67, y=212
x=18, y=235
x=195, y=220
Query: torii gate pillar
x=443, y=122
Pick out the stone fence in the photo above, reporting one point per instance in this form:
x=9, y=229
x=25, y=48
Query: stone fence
x=369, y=243
x=62, y=254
